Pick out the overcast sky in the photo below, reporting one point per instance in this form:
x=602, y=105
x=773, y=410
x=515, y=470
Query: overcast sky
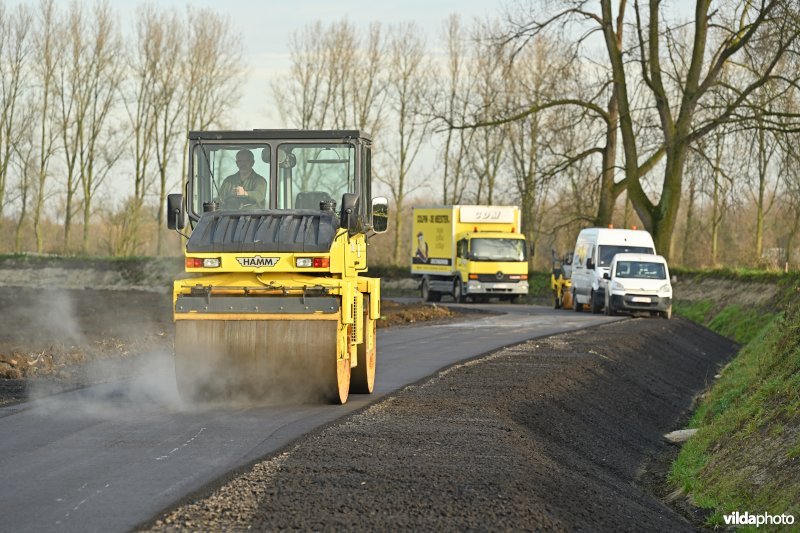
x=267, y=25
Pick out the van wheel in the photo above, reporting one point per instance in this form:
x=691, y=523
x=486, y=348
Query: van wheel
x=576, y=305
x=594, y=303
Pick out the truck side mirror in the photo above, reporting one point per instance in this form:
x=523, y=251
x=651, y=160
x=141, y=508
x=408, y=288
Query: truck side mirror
x=590, y=264
x=380, y=214
x=606, y=275
x=349, y=213
x=175, y=213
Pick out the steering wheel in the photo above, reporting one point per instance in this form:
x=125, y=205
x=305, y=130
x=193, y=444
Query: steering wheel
x=238, y=202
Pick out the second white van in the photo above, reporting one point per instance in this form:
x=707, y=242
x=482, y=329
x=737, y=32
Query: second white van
x=639, y=282
x=594, y=251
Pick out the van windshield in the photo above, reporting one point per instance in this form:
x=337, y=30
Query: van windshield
x=497, y=249
x=641, y=269
x=607, y=253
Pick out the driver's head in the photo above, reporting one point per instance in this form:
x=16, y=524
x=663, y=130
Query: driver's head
x=245, y=159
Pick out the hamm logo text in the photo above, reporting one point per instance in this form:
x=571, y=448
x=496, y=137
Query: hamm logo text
x=258, y=261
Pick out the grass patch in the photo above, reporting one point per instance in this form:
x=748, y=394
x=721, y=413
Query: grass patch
x=745, y=456
x=739, y=323
x=698, y=311
x=735, y=321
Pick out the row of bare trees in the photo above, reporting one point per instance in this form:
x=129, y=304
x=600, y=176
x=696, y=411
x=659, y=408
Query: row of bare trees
x=581, y=112
x=82, y=104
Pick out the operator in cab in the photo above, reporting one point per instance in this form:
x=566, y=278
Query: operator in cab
x=245, y=188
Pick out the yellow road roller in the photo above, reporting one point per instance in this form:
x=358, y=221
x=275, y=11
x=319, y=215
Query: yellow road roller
x=274, y=302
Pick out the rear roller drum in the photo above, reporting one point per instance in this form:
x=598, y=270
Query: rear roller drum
x=362, y=379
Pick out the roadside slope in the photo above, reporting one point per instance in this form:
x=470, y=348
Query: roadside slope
x=548, y=434
x=745, y=456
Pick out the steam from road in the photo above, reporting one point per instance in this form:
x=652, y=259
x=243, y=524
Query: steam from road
x=130, y=368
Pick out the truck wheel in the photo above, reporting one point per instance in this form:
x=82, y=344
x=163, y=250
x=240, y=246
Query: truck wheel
x=594, y=303
x=458, y=292
x=514, y=299
x=427, y=294
x=576, y=305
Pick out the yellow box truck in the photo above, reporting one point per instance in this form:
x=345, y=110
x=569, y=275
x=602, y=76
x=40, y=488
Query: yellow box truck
x=472, y=252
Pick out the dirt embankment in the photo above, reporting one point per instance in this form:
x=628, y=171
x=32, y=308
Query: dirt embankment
x=724, y=292
x=552, y=434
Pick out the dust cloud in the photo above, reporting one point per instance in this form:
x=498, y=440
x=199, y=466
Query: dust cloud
x=111, y=354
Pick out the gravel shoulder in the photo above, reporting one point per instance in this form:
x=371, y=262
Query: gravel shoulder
x=559, y=433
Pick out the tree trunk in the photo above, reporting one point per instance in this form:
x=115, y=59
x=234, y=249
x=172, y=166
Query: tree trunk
x=687, y=232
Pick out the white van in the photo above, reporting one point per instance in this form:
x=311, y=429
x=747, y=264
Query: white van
x=594, y=251
x=639, y=282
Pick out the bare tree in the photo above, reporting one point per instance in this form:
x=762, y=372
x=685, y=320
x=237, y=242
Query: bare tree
x=454, y=91
x=410, y=80
x=768, y=26
x=790, y=174
x=99, y=150
x=86, y=88
x=337, y=78
x=537, y=141
x=212, y=70
x=142, y=97
x=169, y=103
x=70, y=78
x=487, y=153
x=678, y=81
x=763, y=147
x=26, y=162
x=46, y=56
x=14, y=51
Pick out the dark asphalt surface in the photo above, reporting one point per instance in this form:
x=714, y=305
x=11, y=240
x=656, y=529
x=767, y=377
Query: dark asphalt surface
x=109, y=457
x=554, y=434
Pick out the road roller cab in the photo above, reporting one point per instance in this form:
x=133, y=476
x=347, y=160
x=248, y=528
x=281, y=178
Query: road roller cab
x=275, y=302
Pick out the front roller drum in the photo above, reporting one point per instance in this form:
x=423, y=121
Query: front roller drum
x=274, y=360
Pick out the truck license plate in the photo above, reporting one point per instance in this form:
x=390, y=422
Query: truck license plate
x=641, y=299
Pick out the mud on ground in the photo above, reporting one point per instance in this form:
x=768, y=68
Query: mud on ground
x=552, y=434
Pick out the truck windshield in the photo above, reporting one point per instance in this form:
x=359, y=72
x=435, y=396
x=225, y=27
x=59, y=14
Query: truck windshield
x=607, y=253
x=497, y=249
x=309, y=173
x=236, y=176
x=641, y=269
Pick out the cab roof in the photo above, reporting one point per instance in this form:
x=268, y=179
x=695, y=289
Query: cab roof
x=642, y=258
x=238, y=135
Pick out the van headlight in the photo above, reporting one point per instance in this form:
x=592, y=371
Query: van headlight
x=617, y=286
x=665, y=290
